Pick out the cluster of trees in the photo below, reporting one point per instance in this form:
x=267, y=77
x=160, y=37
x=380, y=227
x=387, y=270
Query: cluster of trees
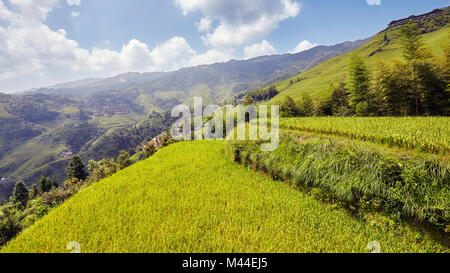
x=29, y=204
x=420, y=85
x=306, y=108
x=106, y=167
x=24, y=207
x=45, y=185
x=261, y=95
x=156, y=144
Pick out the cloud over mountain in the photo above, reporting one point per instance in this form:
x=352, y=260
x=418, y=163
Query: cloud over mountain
x=302, y=46
x=29, y=49
x=262, y=49
x=240, y=22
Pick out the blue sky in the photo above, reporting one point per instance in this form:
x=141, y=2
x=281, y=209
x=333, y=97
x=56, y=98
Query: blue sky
x=44, y=42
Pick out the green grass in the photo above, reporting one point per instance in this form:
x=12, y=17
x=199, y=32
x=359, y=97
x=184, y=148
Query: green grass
x=4, y=113
x=316, y=81
x=362, y=176
x=429, y=134
x=190, y=197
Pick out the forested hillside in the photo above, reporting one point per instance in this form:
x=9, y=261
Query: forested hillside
x=319, y=82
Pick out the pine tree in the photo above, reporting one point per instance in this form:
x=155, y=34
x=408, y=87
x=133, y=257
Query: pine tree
x=413, y=52
x=413, y=46
x=76, y=169
x=45, y=184
x=21, y=193
x=432, y=88
x=307, y=106
x=359, y=85
x=393, y=85
x=339, y=101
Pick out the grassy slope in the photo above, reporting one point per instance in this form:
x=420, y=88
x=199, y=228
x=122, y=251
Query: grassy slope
x=316, y=82
x=190, y=198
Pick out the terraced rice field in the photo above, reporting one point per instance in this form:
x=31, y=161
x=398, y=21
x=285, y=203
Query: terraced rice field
x=429, y=134
x=190, y=197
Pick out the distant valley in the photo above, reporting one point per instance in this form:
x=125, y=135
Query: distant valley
x=43, y=127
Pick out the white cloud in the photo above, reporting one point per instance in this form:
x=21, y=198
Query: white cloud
x=171, y=55
x=241, y=22
x=35, y=9
x=204, y=25
x=262, y=49
x=302, y=46
x=210, y=57
x=8, y=75
x=73, y=2
x=374, y=2
x=32, y=54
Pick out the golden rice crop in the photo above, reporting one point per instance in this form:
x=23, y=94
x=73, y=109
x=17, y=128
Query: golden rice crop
x=430, y=134
x=190, y=197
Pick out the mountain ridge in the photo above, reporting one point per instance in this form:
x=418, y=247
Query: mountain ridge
x=92, y=86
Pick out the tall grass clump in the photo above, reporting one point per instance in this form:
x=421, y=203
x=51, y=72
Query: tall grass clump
x=357, y=175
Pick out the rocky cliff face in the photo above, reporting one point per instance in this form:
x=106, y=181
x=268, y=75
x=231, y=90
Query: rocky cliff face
x=417, y=18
